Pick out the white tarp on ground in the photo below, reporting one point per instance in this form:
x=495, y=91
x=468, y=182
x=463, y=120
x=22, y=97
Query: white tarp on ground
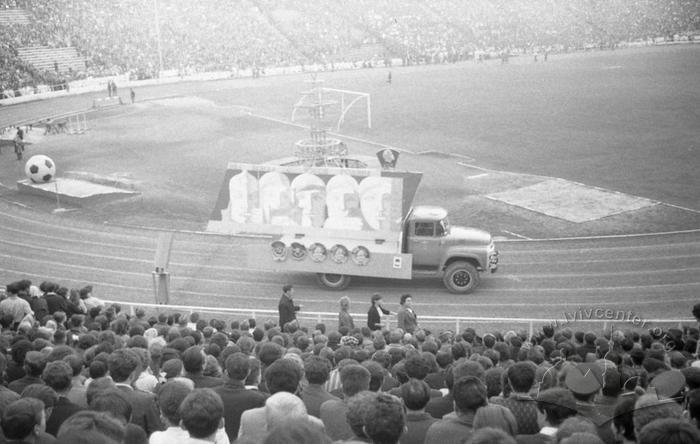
x=571, y=201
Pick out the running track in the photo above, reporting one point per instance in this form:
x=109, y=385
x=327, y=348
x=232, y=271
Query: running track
x=655, y=276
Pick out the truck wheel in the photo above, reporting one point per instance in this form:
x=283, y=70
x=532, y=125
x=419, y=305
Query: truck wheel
x=335, y=282
x=461, y=277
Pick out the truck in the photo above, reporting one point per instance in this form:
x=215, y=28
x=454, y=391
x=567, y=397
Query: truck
x=345, y=222
x=455, y=254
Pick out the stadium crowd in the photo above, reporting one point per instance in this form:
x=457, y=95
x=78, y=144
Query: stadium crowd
x=76, y=370
x=143, y=38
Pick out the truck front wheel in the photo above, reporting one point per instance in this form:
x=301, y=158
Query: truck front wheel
x=335, y=282
x=461, y=277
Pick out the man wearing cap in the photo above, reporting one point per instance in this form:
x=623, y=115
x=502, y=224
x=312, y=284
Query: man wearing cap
x=584, y=381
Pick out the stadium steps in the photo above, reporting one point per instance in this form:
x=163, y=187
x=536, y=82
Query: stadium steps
x=362, y=53
x=44, y=57
x=14, y=16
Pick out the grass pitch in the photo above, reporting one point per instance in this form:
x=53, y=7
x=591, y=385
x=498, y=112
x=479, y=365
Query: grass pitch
x=625, y=121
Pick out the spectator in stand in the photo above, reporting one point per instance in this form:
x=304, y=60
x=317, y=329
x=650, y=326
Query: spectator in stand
x=34, y=364
x=406, y=318
x=282, y=375
x=416, y=394
x=584, y=382
x=354, y=378
x=669, y=430
x=89, y=300
x=124, y=365
x=521, y=377
x=490, y=435
x=15, y=306
x=344, y=318
x=193, y=360
x=556, y=405
x=375, y=313
x=284, y=406
x=649, y=408
x=316, y=369
x=24, y=420
x=58, y=375
x=170, y=397
x=202, y=413
x=469, y=393
x=114, y=402
x=496, y=417
x=385, y=419
x=54, y=302
x=78, y=390
x=442, y=406
x=415, y=367
x=88, y=427
x=234, y=395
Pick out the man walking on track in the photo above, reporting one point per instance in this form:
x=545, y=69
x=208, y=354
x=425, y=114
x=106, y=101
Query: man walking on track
x=287, y=309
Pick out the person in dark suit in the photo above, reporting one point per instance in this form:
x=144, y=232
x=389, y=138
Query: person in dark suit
x=354, y=378
x=415, y=395
x=374, y=315
x=287, y=308
x=193, y=361
x=316, y=369
x=235, y=396
x=59, y=376
x=124, y=365
x=34, y=365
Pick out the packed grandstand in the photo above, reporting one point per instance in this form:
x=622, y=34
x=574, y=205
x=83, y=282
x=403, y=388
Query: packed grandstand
x=96, y=373
x=144, y=39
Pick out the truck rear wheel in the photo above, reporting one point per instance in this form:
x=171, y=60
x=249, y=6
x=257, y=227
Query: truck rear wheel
x=461, y=277
x=335, y=282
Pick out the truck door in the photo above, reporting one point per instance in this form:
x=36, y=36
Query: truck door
x=424, y=243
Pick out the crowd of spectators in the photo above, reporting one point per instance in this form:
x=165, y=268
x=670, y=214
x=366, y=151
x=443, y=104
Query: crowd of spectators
x=133, y=36
x=75, y=370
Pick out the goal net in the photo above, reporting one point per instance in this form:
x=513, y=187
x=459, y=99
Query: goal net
x=339, y=105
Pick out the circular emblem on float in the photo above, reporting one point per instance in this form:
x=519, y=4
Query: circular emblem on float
x=360, y=255
x=298, y=251
x=339, y=254
x=317, y=252
x=279, y=251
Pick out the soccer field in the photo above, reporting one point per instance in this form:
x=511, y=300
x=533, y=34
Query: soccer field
x=625, y=121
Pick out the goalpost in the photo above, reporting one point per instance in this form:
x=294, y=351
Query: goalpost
x=346, y=101
x=77, y=123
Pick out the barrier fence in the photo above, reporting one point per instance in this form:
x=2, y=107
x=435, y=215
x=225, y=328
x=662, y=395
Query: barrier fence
x=434, y=323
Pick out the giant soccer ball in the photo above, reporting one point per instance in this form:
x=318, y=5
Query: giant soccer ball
x=40, y=169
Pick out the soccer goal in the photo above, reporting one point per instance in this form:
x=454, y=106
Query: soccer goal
x=335, y=104
x=77, y=123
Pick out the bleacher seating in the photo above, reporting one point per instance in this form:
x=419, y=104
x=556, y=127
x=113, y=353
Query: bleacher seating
x=17, y=16
x=117, y=37
x=46, y=58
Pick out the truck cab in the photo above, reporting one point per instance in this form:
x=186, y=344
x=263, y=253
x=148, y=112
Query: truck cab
x=456, y=254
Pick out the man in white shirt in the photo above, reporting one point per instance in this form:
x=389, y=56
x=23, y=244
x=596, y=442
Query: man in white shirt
x=15, y=306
